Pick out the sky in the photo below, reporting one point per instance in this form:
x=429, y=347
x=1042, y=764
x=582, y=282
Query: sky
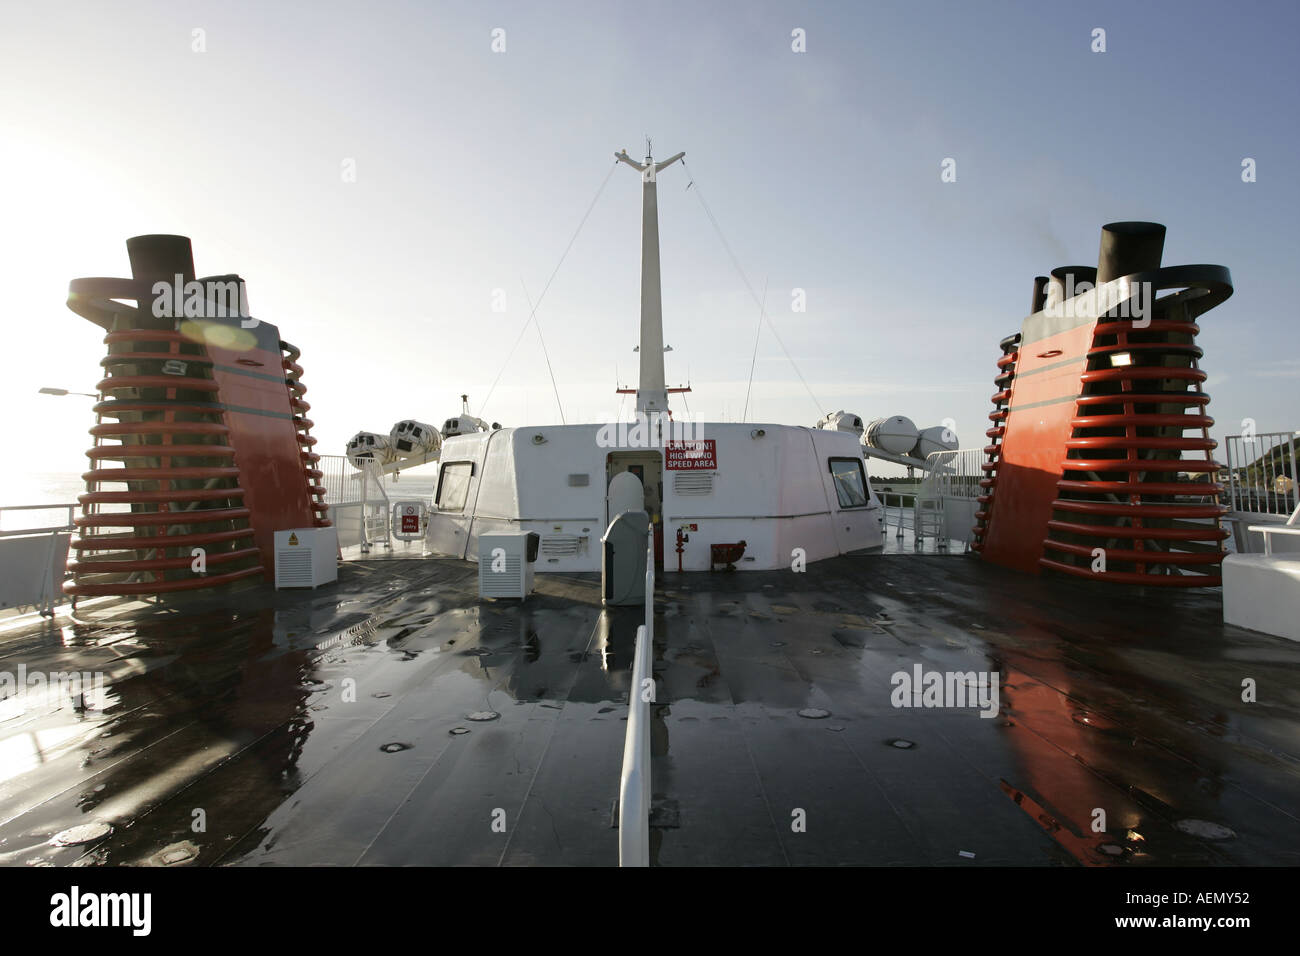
x=236, y=124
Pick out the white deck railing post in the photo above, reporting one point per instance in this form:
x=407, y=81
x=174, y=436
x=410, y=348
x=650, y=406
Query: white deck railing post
x=634, y=792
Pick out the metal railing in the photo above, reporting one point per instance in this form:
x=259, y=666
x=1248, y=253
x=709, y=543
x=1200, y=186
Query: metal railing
x=71, y=509
x=634, y=783
x=1262, y=473
x=897, y=506
x=1292, y=527
x=337, y=477
x=953, y=474
x=945, y=503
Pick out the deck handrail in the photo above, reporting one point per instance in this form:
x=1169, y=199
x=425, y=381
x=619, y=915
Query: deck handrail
x=1292, y=526
x=1260, y=473
x=71, y=509
x=634, y=783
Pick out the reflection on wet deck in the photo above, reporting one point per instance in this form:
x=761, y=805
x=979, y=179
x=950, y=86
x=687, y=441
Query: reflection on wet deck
x=393, y=719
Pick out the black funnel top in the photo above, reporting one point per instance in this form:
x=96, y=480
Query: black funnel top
x=1129, y=247
x=160, y=257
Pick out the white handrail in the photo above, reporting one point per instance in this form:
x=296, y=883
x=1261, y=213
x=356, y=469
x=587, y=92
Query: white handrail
x=634, y=784
x=1292, y=526
x=69, y=526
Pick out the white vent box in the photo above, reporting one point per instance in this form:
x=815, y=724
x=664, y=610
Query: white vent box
x=306, y=557
x=505, y=564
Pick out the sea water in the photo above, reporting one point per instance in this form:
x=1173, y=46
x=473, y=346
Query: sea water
x=38, y=488
x=65, y=487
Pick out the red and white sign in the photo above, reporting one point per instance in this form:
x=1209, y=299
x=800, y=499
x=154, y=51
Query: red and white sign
x=698, y=455
x=409, y=514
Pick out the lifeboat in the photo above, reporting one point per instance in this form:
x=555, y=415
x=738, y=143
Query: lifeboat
x=412, y=439
x=366, y=448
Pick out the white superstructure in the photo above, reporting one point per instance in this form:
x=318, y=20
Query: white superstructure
x=791, y=494
x=769, y=496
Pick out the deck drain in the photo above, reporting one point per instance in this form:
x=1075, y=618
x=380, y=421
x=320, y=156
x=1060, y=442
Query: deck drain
x=814, y=713
x=381, y=694
x=483, y=715
x=84, y=833
x=835, y=727
x=900, y=743
x=1204, y=829
x=395, y=747
x=458, y=731
x=176, y=854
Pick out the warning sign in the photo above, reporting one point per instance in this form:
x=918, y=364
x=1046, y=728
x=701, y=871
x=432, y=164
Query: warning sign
x=410, y=520
x=698, y=455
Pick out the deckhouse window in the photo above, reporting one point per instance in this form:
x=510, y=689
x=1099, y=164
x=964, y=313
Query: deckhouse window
x=850, y=482
x=453, y=485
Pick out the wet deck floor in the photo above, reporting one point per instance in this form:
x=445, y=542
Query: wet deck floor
x=328, y=727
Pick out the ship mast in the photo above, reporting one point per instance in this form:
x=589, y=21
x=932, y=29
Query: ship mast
x=651, y=393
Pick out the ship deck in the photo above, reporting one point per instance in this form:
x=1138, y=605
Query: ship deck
x=335, y=727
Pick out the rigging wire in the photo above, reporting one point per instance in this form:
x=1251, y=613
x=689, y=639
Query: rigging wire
x=743, y=278
x=757, y=335
x=545, y=353
x=547, y=287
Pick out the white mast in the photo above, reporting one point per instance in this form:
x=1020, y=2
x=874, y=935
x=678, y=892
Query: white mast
x=651, y=393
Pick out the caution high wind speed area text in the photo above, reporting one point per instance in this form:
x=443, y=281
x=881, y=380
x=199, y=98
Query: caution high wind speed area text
x=698, y=455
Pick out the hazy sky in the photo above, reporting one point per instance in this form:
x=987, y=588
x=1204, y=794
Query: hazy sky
x=474, y=167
